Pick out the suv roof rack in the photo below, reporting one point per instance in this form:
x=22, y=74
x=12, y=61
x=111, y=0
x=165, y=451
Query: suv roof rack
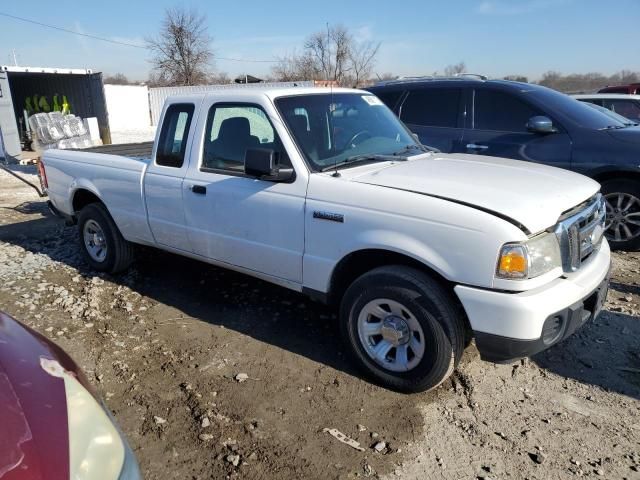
x=423, y=78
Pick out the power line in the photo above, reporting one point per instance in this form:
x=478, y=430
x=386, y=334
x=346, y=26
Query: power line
x=117, y=42
x=72, y=31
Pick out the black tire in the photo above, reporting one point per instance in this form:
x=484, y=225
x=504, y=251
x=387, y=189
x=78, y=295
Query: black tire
x=611, y=189
x=119, y=252
x=432, y=304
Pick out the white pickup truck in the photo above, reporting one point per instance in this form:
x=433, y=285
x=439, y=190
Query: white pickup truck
x=326, y=192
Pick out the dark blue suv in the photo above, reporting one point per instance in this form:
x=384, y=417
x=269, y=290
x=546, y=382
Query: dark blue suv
x=527, y=122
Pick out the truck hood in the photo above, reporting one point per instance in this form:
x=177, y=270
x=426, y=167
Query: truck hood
x=528, y=194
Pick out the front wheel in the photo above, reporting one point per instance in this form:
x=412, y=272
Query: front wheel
x=403, y=328
x=622, y=227
x=101, y=242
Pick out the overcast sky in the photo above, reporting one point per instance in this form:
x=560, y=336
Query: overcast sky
x=493, y=37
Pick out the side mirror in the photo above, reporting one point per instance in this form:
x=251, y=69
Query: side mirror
x=262, y=163
x=541, y=124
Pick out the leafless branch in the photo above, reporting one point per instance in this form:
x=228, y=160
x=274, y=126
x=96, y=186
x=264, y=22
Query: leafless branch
x=181, y=52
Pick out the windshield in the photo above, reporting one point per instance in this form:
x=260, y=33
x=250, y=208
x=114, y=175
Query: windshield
x=577, y=111
x=342, y=128
x=614, y=115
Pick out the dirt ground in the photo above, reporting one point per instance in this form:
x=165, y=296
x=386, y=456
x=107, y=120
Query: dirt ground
x=165, y=342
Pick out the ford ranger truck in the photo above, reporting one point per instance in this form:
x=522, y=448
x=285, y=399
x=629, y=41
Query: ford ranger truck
x=326, y=192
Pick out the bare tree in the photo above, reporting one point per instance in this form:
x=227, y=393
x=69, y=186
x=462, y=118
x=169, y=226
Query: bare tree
x=331, y=54
x=293, y=67
x=155, y=79
x=451, y=70
x=117, y=79
x=575, y=82
x=624, y=76
x=219, y=78
x=362, y=59
x=182, y=50
x=386, y=76
x=517, y=78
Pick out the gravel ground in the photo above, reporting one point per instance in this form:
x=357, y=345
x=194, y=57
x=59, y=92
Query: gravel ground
x=212, y=374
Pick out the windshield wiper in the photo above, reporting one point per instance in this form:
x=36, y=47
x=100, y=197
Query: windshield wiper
x=367, y=157
x=415, y=146
x=615, y=127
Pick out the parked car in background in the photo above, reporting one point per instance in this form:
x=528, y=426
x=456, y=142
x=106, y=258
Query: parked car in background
x=612, y=114
x=626, y=105
x=469, y=114
x=325, y=192
x=630, y=89
x=53, y=425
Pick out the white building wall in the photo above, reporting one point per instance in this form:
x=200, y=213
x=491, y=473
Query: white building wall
x=128, y=106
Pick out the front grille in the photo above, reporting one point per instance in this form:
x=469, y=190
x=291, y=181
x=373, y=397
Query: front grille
x=581, y=233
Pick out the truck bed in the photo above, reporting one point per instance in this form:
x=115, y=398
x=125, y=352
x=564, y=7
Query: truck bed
x=140, y=150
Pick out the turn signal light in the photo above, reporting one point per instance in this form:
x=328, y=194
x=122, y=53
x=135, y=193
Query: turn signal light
x=513, y=262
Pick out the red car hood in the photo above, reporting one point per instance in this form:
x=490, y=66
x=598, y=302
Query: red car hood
x=34, y=438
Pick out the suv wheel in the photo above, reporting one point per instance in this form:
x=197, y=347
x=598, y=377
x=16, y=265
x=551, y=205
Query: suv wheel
x=622, y=227
x=403, y=328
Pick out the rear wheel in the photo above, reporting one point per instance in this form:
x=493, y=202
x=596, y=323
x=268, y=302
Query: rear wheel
x=623, y=213
x=101, y=242
x=403, y=327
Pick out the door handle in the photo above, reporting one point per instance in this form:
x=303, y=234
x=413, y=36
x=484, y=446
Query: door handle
x=199, y=189
x=475, y=146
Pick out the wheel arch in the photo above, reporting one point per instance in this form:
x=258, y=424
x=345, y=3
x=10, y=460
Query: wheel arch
x=358, y=262
x=83, y=196
x=622, y=174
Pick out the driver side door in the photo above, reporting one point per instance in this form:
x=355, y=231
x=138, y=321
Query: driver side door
x=236, y=219
x=498, y=129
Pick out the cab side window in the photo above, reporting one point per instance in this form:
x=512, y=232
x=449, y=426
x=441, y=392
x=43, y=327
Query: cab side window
x=231, y=130
x=172, y=143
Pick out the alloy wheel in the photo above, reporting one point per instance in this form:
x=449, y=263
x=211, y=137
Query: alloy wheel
x=623, y=216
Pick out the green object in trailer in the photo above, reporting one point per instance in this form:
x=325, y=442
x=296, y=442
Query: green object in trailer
x=44, y=105
x=66, y=108
x=56, y=105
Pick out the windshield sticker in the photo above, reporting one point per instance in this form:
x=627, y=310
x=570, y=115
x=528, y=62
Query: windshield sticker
x=372, y=100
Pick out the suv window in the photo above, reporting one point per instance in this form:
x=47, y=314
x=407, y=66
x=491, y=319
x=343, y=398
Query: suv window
x=390, y=99
x=437, y=107
x=173, y=136
x=233, y=129
x=501, y=111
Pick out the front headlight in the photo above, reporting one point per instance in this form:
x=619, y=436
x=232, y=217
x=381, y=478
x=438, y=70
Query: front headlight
x=97, y=447
x=529, y=259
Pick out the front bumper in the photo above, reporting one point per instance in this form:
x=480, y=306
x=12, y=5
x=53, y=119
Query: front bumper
x=508, y=326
